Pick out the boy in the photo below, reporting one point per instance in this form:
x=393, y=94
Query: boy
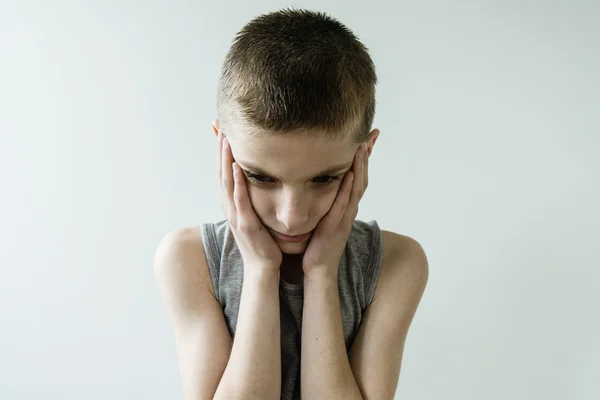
x=290, y=296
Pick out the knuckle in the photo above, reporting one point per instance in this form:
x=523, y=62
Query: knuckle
x=237, y=197
x=244, y=227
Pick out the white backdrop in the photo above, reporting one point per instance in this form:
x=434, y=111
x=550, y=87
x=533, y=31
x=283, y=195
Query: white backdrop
x=489, y=155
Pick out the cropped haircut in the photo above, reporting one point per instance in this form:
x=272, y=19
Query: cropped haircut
x=297, y=71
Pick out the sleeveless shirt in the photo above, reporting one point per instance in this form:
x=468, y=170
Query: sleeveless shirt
x=359, y=270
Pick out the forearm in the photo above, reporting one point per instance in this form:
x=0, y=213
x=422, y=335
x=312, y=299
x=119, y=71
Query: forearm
x=325, y=372
x=254, y=367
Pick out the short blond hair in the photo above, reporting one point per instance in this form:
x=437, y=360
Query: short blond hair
x=298, y=70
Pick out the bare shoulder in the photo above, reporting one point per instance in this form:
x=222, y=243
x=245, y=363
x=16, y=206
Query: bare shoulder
x=386, y=321
x=405, y=266
x=180, y=259
x=202, y=339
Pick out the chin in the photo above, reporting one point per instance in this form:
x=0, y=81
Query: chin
x=292, y=248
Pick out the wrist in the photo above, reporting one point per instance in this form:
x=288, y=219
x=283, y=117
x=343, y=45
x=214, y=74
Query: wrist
x=261, y=274
x=322, y=274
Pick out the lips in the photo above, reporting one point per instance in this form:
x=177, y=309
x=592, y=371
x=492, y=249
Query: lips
x=287, y=238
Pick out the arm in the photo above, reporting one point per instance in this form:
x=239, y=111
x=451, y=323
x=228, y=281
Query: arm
x=371, y=369
x=210, y=367
x=254, y=368
x=376, y=354
x=325, y=372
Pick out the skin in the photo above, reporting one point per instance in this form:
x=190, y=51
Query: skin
x=294, y=195
x=221, y=367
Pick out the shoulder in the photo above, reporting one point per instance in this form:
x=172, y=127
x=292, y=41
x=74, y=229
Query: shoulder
x=386, y=321
x=404, y=269
x=179, y=259
x=185, y=239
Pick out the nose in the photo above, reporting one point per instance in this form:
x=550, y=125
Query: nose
x=292, y=210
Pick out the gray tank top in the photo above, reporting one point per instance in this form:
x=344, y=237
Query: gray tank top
x=358, y=274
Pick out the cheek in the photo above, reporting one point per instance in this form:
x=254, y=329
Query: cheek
x=323, y=202
x=266, y=208
x=260, y=200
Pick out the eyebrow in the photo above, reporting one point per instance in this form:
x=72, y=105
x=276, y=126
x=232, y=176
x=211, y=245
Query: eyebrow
x=329, y=171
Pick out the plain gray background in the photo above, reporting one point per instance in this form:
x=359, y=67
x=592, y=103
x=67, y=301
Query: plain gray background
x=488, y=155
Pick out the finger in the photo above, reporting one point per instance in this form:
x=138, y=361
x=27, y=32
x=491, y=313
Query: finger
x=366, y=171
x=227, y=182
x=240, y=193
x=358, y=168
x=342, y=199
x=219, y=158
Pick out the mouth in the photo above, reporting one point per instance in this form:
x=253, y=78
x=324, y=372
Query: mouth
x=296, y=238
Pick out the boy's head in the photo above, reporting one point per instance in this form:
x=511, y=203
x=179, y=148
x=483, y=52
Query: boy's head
x=297, y=71
x=295, y=98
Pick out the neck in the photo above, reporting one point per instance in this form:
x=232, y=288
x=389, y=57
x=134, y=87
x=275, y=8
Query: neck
x=291, y=268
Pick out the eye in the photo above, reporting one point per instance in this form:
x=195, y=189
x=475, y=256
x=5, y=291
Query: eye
x=326, y=179
x=258, y=178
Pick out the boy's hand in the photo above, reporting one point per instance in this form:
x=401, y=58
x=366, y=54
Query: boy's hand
x=329, y=239
x=257, y=247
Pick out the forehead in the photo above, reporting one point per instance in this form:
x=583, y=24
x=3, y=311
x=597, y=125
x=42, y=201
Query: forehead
x=292, y=154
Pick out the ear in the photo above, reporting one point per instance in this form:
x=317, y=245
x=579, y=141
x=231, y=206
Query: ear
x=372, y=139
x=215, y=126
